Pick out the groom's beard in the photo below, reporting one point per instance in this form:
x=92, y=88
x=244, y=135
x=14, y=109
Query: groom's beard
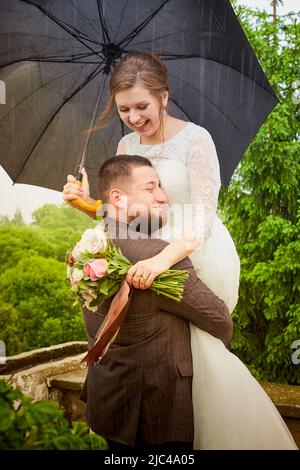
x=150, y=223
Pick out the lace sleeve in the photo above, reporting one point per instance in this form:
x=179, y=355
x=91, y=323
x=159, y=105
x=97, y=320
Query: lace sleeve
x=204, y=178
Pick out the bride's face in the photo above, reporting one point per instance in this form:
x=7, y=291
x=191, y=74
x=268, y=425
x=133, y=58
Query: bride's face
x=140, y=110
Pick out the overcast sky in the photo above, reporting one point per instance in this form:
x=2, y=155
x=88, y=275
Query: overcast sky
x=28, y=198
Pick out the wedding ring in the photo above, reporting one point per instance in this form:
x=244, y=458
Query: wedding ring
x=144, y=276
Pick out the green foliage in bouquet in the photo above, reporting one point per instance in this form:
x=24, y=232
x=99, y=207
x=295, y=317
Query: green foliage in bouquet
x=40, y=426
x=96, y=268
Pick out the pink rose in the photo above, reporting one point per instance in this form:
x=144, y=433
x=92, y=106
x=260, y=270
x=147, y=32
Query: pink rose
x=95, y=269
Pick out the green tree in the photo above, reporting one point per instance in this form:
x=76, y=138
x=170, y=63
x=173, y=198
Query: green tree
x=11, y=331
x=17, y=242
x=52, y=217
x=16, y=221
x=261, y=210
x=38, y=290
x=36, y=306
x=62, y=226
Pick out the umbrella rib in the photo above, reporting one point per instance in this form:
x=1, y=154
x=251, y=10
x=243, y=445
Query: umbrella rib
x=158, y=38
x=140, y=27
x=212, y=104
x=56, y=39
x=15, y=62
x=218, y=63
x=53, y=61
x=168, y=56
x=103, y=24
x=85, y=18
x=109, y=139
x=76, y=59
x=33, y=59
x=68, y=98
x=180, y=56
x=121, y=18
x=60, y=23
x=92, y=122
x=37, y=89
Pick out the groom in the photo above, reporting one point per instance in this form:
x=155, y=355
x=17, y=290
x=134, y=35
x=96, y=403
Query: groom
x=140, y=394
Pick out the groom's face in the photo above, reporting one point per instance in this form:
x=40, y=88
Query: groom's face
x=146, y=200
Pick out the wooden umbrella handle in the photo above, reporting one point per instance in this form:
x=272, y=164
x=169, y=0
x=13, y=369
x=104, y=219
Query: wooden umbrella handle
x=81, y=203
x=85, y=206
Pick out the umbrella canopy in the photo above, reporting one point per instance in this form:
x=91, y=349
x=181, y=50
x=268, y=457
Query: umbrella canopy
x=56, y=57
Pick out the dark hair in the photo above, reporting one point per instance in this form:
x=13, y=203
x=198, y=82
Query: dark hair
x=118, y=170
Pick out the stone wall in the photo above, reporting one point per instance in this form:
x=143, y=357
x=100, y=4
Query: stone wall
x=32, y=371
x=56, y=373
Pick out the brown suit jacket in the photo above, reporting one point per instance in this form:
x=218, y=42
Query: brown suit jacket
x=142, y=388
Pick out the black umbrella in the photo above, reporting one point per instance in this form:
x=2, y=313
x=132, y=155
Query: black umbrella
x=56, y=57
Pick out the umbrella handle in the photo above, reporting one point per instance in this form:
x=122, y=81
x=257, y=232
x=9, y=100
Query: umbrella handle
x=85, y=206
x=81, y=203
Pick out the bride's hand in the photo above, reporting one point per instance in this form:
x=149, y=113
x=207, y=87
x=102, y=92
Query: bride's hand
x=142, y=274
x=74, y=190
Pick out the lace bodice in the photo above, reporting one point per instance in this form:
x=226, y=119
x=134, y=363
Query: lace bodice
x=189, y=172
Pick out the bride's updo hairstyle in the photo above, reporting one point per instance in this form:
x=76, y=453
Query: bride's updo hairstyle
x=137, y=68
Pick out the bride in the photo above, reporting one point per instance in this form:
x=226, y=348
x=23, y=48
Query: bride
x=231, y=410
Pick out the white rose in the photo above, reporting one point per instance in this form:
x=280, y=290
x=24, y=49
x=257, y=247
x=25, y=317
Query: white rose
x=77, y=274
x=102, y=237
x=76, y=251
x=93, y=241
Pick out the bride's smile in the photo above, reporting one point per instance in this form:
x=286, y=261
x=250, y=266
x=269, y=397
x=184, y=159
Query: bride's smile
x=141, y=111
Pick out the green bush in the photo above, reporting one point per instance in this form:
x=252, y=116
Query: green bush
x=40, y=426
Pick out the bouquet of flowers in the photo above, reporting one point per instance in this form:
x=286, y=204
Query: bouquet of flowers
x=96, y=269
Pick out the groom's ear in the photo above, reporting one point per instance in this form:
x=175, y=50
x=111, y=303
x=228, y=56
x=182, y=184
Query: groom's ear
x=118, y=198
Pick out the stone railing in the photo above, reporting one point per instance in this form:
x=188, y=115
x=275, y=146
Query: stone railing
x=39, y=374
x=56, y=373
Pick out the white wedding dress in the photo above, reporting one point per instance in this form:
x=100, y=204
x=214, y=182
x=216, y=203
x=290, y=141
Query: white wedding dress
x=231, y=409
